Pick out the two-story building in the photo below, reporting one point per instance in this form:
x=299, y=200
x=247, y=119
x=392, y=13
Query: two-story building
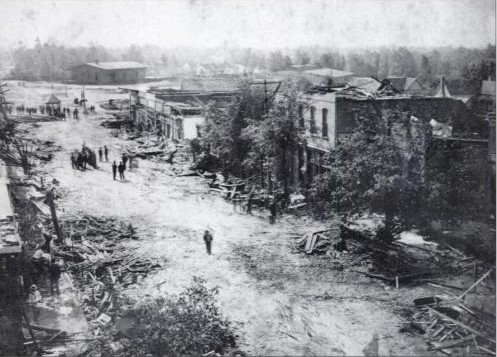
x=327, y=116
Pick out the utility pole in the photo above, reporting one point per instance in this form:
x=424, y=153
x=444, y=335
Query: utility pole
x=266, y=111
x=51, y=204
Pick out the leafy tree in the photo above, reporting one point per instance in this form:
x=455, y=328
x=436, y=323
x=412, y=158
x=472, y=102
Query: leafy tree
x=404, y=63
x=278, y=62
x=164, y=60
x=222, y=130
x=188, y=324
x=302, y=58
x=426, y=72
x=377, y=169
x=275, y=137
x=133, y=54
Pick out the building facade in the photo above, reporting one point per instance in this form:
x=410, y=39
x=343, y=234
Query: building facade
x=330, y=116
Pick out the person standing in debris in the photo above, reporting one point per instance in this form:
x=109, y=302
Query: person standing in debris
x=34, y=298
x=208, y=241
x=54, y=271
x=272, y=211
x=121, y=168
x=125, y=159
x=130, y=161
x=106, y=153
x=100, y=154
x=114, y=170
x=250, y=199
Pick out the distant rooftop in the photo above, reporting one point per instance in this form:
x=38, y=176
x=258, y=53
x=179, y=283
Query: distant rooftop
x=116, y=65
x=367, y=84
x=210, y=84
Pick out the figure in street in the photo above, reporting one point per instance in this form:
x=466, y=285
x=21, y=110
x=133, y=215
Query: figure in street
x=121, y=168
x=208, y=241
x=272, y=211
x=106, y=153
x=125, y=159
x=114, y=170
x=100, y=154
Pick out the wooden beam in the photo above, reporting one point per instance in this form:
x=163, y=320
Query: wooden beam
x=475, y=284
x=460, y=324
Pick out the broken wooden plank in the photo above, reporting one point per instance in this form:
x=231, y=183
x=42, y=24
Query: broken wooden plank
x=457, y=251
x=312, y=243
x=481, y=348
x=475, y=284
x=450, y=344
x=460, y=324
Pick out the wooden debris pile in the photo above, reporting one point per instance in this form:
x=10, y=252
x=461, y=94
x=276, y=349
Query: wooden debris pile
x=101, y=265
x=318, y=242
x=391, y=262
x=452, y=326
x=98, y=229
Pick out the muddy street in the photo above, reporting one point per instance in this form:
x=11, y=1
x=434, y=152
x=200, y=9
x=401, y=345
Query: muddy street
x=274, y=295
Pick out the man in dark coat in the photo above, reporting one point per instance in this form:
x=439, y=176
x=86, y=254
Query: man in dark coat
x=125, y=159
x=114, y=170
x=106, y=153
x=208, y=241
x=121, y=170
x=272, y=211
x=100, y=154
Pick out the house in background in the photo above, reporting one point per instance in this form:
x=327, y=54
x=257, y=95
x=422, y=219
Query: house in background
x=108, y=73
x=325, y=76
x=407, y=85
x=481, y=104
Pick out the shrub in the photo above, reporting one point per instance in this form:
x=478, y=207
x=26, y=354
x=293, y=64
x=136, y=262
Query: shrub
x=188, y=324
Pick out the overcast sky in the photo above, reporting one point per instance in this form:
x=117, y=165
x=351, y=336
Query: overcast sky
x=251, y=23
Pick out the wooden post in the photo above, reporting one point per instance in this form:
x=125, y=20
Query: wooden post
x=51, y=204
x=397, y=282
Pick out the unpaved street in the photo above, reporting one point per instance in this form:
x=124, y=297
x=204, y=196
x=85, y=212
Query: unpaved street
x=286, y=304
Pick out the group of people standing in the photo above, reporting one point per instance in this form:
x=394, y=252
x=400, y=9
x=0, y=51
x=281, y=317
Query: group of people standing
x=122, y=166
x=103, y=152
x=80, y=159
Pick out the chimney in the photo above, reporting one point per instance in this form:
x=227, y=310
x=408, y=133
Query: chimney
x=442, y=82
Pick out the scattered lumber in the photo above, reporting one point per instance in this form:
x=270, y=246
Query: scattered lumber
x=476, y=284
x=450, y=325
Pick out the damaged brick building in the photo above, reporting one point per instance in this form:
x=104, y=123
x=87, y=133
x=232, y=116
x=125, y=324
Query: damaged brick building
x=328, y=116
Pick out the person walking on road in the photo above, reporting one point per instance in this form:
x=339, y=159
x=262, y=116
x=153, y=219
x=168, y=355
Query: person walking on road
x=106, y=153
x=100, y=154
x=121, y=169
x=114, y=170
x=130, y=161
x=272, y=211
x=125, y=159
x=208, y=241
x=250, y=199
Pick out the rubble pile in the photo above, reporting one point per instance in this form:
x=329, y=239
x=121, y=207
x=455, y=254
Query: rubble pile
x=101, y=265
x=392, y=262
x=452, y=326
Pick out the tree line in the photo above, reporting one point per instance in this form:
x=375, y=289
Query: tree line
x=463, y=67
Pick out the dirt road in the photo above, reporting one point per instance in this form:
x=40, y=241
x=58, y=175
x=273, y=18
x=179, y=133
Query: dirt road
x=286, y=304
